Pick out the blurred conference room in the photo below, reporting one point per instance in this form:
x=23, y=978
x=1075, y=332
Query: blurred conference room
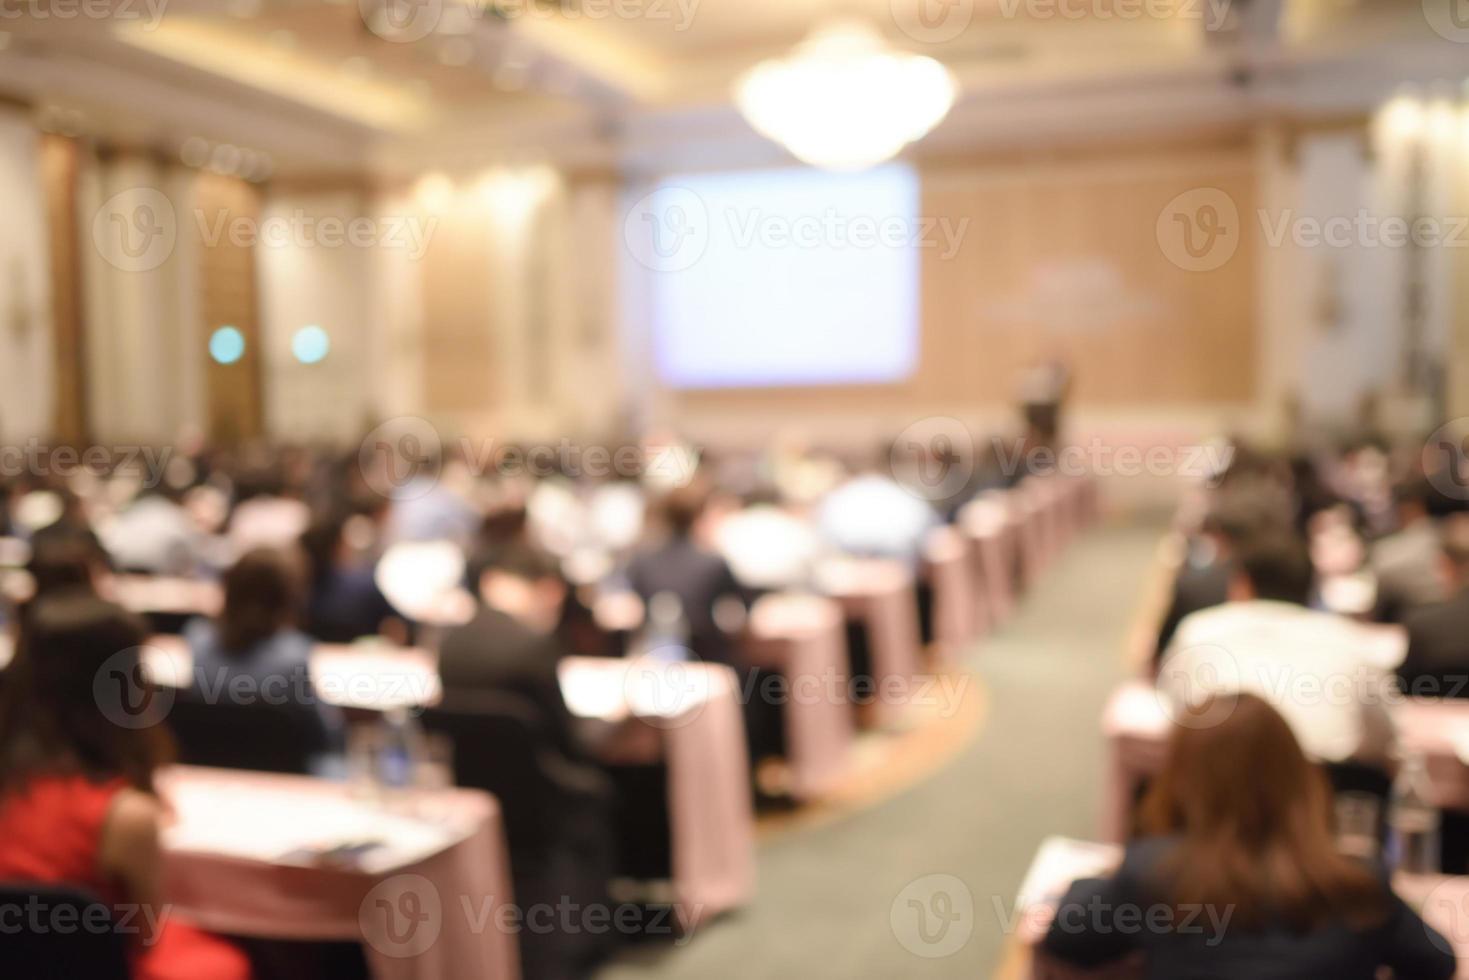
x=620, y=489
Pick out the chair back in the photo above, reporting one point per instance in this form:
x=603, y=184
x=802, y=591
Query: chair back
x=58, y=932
x=262, y=736
x=501, y=746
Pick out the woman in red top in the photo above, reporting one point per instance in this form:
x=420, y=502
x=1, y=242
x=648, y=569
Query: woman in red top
x=77, y=803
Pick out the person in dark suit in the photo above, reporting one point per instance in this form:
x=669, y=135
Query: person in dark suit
x=1239, y=876
x=510, y=645
x=1437, y=662
x=343, y=602
x=680, y=566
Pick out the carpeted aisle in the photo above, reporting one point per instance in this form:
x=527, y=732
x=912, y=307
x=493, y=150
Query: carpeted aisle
x=826, y=906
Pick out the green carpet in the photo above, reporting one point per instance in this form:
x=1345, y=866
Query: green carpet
x=826, y=896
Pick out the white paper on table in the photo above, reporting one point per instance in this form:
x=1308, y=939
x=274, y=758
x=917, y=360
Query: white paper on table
x=1059, y=862
x=267, y=825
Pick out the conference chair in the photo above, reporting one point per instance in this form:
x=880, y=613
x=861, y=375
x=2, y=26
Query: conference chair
x=52, y=933
x=557, y=815
x=284, y=738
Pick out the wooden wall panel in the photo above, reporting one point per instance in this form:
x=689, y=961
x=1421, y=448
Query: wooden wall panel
x=459, y=342
x=227, y=283
x=1061, y=257
x=60, y=165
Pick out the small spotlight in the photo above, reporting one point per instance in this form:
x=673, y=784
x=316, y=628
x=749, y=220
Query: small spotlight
x=227, y=345
x=311, y=345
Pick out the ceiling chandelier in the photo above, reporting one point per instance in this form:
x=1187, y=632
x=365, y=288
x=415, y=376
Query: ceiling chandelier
x=843, y=99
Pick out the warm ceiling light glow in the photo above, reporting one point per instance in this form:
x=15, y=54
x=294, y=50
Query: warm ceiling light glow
x=843, y=99
x=435, y=192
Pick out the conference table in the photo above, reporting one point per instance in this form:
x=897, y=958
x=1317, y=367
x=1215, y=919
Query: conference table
x=801, y=637
x=1443, y=901
x=257, y=855
x=993, y=532
x=686, y=716
x=948, y=569
x=877, y=595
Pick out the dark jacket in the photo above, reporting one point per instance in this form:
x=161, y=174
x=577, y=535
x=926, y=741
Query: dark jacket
x=1101, y=921
x=699, y=578
x=495, y=652
x=1437, y=663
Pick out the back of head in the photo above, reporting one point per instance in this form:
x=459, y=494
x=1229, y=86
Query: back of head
x=522, y=581
x=63, y=561
x=1252, y=817
x=1276, y=566
x=681, y=508
x=515, y=559
x=77, y=654
x=262, y=596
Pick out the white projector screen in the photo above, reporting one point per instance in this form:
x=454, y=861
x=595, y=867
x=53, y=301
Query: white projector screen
x=800, y=277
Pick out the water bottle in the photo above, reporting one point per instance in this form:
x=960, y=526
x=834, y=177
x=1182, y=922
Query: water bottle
x=400, y=748
x=1413, y=821
x=665, y=634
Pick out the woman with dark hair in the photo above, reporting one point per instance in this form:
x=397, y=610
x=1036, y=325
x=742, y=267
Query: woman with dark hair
x=255, y=643
x=1238, y=874
x=343, y=601
x=77, y=800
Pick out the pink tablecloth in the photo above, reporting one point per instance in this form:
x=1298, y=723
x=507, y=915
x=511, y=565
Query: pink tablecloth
x=801, y=637
x=688, y=715
x=432, y=917
x=949, y=571
x=1136, y=728
x=879, y=594
x=993, y=540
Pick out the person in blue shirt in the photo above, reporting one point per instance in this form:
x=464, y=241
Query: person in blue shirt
x=255, y=647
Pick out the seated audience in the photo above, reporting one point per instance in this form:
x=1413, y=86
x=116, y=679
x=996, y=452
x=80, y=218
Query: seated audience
x=1265, y=641
x=680, y=566
x=1406, y=562
x=155, y=535
x=767, y=546
x=256, y=640
x=1208, y=567
x=873, y=516
x=343, y=601
x=78, y=806
x=1437, y=662
x=1238, y=874
x=510, y=645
